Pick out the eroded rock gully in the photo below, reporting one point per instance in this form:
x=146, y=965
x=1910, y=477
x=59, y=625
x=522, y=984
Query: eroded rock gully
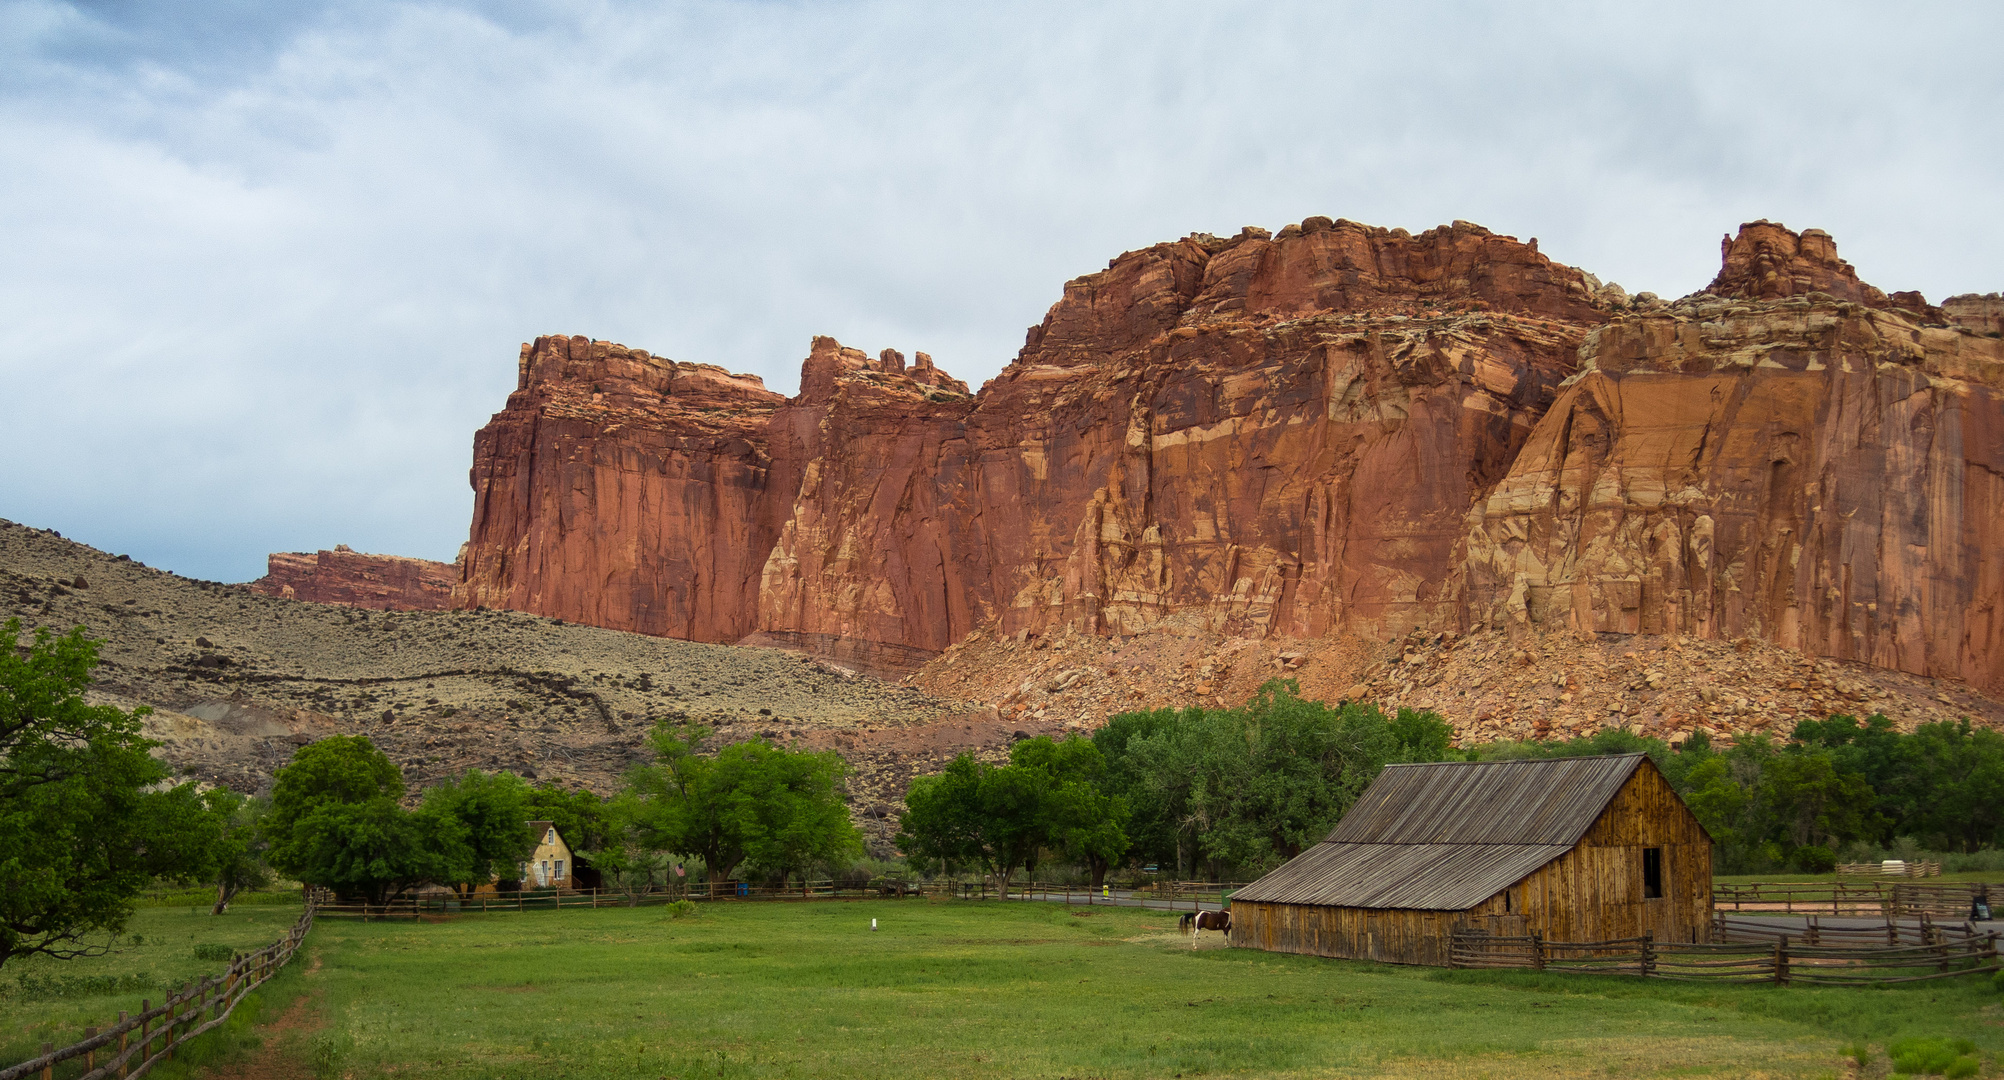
x=1334, y=433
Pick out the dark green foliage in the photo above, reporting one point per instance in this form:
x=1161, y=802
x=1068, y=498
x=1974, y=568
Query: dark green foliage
x=84, y=826
x=214, y=952
x=753, y=803
x=237, y=851
x=585, y=820
x=1241, y=790
x=977, y=815
x=1082, y=820
x=493, y=813
x=336, y=820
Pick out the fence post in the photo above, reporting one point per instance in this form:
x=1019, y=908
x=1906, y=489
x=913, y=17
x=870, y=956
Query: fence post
x=90, y=1056
x=1648, y=953
x=1812, y=936
x=48, y=1070
x=125, y=1034
x=1781, y=960
x=1537, y=950
x=145, y=1029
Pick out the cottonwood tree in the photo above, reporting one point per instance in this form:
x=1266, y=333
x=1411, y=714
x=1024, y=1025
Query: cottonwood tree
x=337, y=820
x=1081, y=818
x=973, y=814
x=1248, y=788
x=84, y=822
x=751, y=802
x=236, y=860
x=493, y=811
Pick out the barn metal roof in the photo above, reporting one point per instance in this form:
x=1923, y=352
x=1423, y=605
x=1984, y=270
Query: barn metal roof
x=1443, y=836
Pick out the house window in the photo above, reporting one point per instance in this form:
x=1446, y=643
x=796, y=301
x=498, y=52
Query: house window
x=1652, y=873
x=560, y=869
x=550, y=836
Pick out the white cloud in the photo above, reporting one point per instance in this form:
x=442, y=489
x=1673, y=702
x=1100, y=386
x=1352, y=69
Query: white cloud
x=268, y=267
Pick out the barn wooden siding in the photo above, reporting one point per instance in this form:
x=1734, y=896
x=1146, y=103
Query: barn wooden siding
x=1592, y=892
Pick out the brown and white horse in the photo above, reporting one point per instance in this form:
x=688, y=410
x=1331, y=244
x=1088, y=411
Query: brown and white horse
x=1200, y=921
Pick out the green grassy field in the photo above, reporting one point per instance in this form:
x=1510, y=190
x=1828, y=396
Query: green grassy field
x=54, y=1000
x=1030, y=990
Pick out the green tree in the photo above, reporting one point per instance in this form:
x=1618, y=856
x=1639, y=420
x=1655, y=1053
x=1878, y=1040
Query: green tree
x=337, y=770
x=753, y=801
x=376, y=848
x=1810, y=803
x=973, y=814
x=237, y=853
x=493, y=811
x=1245, y=789
x=336, y=820
x=84, y=824
x=1082, y=819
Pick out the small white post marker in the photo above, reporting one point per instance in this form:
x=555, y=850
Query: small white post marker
x=873, y=924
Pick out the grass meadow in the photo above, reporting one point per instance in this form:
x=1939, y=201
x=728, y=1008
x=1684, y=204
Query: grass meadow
x=54, y=1000
x=998, y=990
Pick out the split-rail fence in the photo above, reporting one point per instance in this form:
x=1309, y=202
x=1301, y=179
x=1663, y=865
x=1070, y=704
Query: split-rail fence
x=1747, y=952
x=1879, y=899
x=135, y=1043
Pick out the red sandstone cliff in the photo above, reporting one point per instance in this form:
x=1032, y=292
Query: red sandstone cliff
x=1338, y=429
x=346, y=576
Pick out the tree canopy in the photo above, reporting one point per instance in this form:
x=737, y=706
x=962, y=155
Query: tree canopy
x=1246, y=789
x=84, y=822
x=751, y=804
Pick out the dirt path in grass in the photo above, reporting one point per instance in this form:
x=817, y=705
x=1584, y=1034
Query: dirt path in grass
x=280, y=1057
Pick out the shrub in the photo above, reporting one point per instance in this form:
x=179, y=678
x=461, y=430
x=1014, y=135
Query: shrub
x=1934, y=1057
x=211, y=951
x=1813, y=859
x=681, y=909
x=1997, y=982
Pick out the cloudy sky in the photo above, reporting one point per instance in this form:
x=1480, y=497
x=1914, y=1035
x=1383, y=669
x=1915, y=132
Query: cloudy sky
x=266, y=266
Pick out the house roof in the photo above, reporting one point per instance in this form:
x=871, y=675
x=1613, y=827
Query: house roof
x=1444, y=836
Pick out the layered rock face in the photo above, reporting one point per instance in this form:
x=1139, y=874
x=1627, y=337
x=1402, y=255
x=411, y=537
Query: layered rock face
x=623, y=490
x=1815, y=472
x=1336, y=430
x=347, y=576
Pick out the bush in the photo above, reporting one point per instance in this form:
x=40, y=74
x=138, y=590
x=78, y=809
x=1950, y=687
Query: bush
x=212, y=951
x=683, y=909
x=1997, y=982
x=1813, y=859
x=1934, y=1057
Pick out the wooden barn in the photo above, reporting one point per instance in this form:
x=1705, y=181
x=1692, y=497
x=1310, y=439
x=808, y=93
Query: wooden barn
x=1575, y=849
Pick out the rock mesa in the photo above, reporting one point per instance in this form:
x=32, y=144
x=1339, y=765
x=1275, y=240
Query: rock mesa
x=1336, y=429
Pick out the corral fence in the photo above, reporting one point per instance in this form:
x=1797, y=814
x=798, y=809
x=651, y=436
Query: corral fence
x=1172, y=895
x=1891, y=868
x=1814, y=955
x=135, y=1043
x=1877, y=899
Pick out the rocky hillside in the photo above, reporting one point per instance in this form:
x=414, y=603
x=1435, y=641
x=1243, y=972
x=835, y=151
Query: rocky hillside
x=1334, y=432
x=238, y=680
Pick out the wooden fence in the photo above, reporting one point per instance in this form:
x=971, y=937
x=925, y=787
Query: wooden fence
x=1784, y=960
x=135, y=1043
x=1892, y=868
x=1878, y=899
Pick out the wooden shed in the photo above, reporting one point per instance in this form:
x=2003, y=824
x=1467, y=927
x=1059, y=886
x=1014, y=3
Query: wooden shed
x=1575, y=849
